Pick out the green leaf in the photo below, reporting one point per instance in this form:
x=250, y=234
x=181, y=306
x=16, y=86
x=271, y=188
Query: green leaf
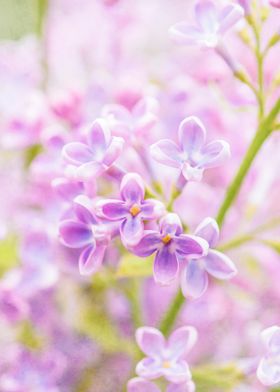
x=133, y=266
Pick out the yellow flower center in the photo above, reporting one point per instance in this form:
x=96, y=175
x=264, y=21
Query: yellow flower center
x=166, y=364
x=166, y=239
x=134, y=210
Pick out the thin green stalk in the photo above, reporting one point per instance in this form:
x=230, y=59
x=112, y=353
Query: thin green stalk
x=172, y=313
x=265, y=129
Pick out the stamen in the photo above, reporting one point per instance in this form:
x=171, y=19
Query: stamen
x=166, y=239
x=135, y=209
x=166, y=364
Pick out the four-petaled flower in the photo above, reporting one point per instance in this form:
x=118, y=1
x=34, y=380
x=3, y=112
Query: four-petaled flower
x=170, y=245
x=211, y=24
x=194, y=278
x=138, y=384
x=192, y=155
x=268, y=371
x=131, y=210
x=86, y=233
x=97, y=155
x=165, y=358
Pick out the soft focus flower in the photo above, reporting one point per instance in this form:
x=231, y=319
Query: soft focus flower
x=268, y=371
x=192, y=156
x=165, y=358
x=211, y=24
x=139, y=384
x=86, y=233
x=194, y=278
x=131, y=210
x=170, y=245
x=97, y=155
x=135, y=123
x=275, y=3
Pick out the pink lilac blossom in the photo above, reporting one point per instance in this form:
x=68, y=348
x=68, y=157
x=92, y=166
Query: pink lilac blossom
x=268, y=371
x=192, y=155
x=165, y=358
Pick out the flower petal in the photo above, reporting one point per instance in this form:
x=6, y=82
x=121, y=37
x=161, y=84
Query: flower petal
x=209, y=230
x=132, y=188
x=91, y=259
x=181, y=341
x=183, y=33
x=214, y=154
x=149, y=368
x=75, y=234
x=268, y=371
x=138, y=384
x=229, y=16
x=113, y=151
x=82, y=206
x=132, y=230
x=171, y=224
x=88, y=171
x=165, y=266
x=148, y=244
x=113, y=210
x=207, y=16
x=192, y=173
x=179, y=372
x=192, y=135
x=166, y=152
x=219, y=265
x=151, y=209
x=98, y=138
x=271, y=339
x=191, y=245
x=151, y=341
x=194, y=280
x=77, y=153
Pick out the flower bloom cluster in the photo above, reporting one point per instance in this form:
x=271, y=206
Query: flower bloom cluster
x=140, y=197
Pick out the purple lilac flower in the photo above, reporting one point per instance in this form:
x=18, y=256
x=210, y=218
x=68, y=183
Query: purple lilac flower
x=170, y=245
x=131, y=209
x=192, y=156
x=97, y=155
x=165, y=358
x=268, y=371
x=139, y=384
x=194, y=278
x=85, y=232
x=211, y=24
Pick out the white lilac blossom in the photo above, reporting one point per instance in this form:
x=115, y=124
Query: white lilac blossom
x=268, y=371
x=96, y=155
x=165, y=358
x=211, y=24
x=192, y=155
x=194, y=278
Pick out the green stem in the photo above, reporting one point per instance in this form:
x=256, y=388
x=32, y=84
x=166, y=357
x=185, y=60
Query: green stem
x=264, y=130
x=172, y=313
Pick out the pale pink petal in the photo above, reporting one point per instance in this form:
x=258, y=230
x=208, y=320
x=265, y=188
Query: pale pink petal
x=229, y=16
x=132, y=188
x=219, y=265
x=166, y=266
x=75, y=234
x=166, y=152
x=148, y=244
x=194, y=280
x=76, y=153
x=190, y=245
x=91, y=259
x=192, y=135
x=214, y=154
x=132, y=230
x=179, y=372
x=181, y=341
x=207, y=16
x=151, y=341
x=268, y=371
x=183, y=33
x=88, y=171
x=138, y=384
x=111, y=209
x=209, y=230
x=113, y=151
x=98, y=138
